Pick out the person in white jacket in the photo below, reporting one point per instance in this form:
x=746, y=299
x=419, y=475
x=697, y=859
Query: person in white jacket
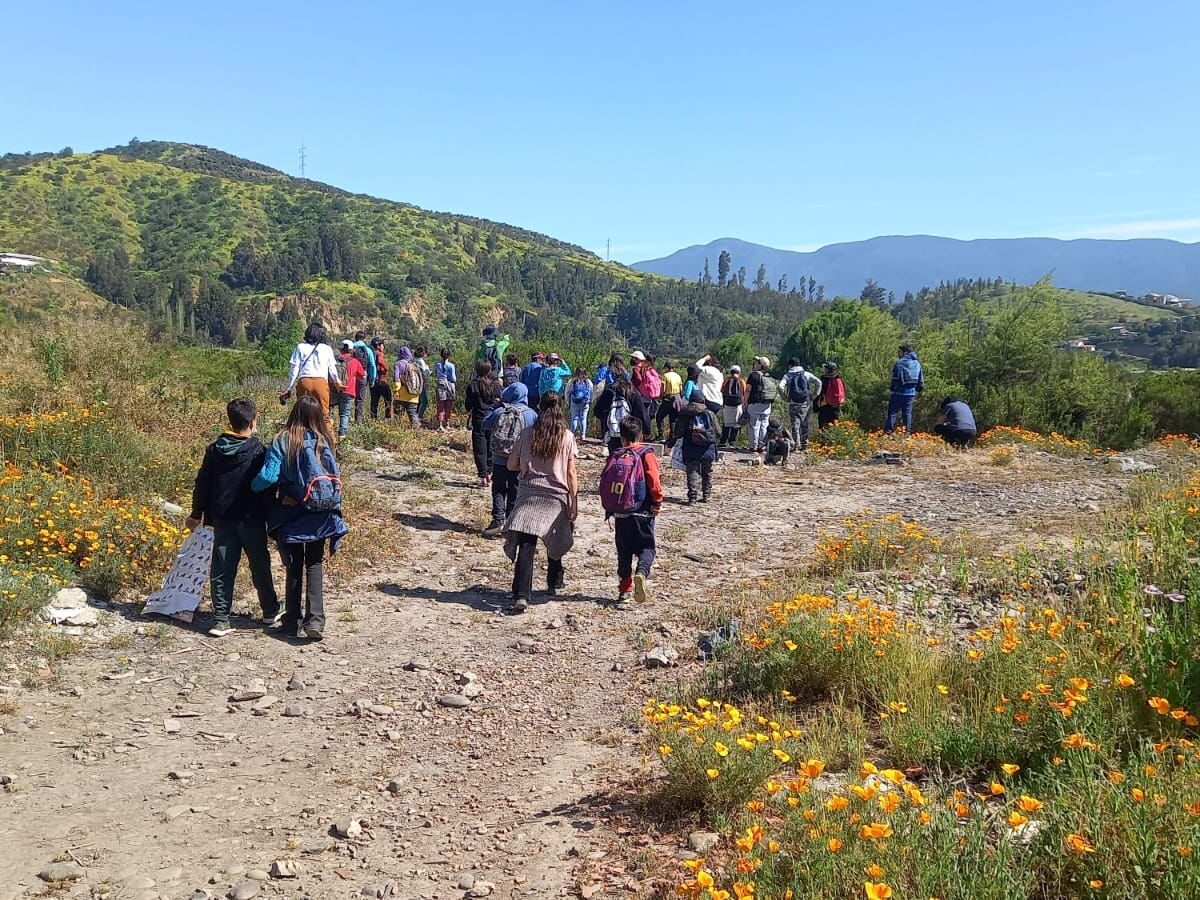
x=313, y=369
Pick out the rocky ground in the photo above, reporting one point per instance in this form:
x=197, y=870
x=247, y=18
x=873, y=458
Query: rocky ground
x=431, y=747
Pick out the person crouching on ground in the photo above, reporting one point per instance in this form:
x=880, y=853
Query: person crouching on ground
x=778, y=446
x=301, y=462
x=547, y=501
x=505, y=424
x=223, y=500
x=956, y=424
x=631, y=492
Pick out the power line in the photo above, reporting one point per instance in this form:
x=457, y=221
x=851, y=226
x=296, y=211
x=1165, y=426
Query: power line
x=303, y=160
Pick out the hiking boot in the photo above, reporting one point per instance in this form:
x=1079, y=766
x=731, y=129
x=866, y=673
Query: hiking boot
x=639, y=588
x=494, y=528
x=221, y=628
x=706, y=498
x=518, y=606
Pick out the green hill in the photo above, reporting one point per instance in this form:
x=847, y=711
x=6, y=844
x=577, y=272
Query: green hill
x=219, y=248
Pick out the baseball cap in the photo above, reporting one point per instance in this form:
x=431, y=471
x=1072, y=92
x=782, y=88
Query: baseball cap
x=638, y=355
x=347, y=344
x=765, y=360
x=735, y=368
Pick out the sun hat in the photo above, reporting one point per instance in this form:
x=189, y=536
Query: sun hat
x=638, y=355
x=765, y=360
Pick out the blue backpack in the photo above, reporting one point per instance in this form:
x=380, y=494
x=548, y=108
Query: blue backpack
x=910, y=371
x=317, y=486
x=581, y=392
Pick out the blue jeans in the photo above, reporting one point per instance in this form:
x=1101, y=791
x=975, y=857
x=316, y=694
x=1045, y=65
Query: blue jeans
x=900, y=405
x=579, y=413
x=345, y=403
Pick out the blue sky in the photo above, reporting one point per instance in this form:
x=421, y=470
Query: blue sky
x=659, y=125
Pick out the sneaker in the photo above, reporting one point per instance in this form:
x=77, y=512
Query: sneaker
x=624, y=597
x=313, y=633
x=639, y=588
x=519, y=605
x=273, y=621
x=220, y=629
x=494, y=528
x=706, y=498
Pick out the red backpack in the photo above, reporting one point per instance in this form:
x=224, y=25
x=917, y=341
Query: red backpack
x=835, y=392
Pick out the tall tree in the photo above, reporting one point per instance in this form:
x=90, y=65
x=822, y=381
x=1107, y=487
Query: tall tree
x=741, y=276
x=812, y=286
x=760, y=277
x=724, y=261
x=707, y=277
x=782, y=286
x=873, y=293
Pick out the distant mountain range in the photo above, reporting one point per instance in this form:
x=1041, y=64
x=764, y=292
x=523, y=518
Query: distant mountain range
x=908, y=263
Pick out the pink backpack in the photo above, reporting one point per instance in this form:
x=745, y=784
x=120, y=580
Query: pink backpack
x=651, y=384
x=623, y=481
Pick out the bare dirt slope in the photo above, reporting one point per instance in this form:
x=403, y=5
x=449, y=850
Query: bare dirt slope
x=132, y=764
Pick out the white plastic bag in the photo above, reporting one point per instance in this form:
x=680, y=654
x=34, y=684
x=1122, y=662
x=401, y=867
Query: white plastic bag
x=677, y=457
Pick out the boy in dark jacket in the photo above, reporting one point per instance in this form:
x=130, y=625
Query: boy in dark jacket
x=222, y=499
x=696, y=427
x=778, y=446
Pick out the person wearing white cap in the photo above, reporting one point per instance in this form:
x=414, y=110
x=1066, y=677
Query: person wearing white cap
x=761, y=391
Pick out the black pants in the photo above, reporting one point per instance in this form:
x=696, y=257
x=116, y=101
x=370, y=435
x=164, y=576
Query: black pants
x=729, y=435
x=228, y=543
x=381, y=392
x=522, y=584
x=305, y=575
x=614, y=444
x=699, y=479
x=504, y=490
x=777, y=451
x=635, y=540
x=481, y=449
x=955, y=437
x=668, y=413
x=827, y=415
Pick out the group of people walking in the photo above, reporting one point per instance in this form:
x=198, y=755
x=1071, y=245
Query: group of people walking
x=526, y=425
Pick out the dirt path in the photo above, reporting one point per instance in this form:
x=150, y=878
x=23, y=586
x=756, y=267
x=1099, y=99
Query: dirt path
x=134, y=761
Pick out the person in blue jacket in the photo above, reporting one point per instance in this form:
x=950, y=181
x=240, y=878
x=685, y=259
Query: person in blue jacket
x=504, y=482
x=554, y=373
x=360, y=343
x=531, y=376
x=300, y=532
x=908, y=380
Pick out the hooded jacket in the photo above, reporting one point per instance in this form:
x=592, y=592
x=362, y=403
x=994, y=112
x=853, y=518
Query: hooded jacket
x=693, y=452
x=514, y=395
x=908, y=377
x=552, y=377
x=796, y=376
x=404, y=360
x=222, y=496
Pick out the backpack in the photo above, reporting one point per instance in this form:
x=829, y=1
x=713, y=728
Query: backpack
x=341, y=364
x=835, y=392
x=507, y=432
x=445, y=387
x=797, y=387
x=651, y=386
x=491, y=353
x=770, y=389
x=734, y=390
x=616, y=412
x=703, y=432
x=581, y=391
x=412, y=379
x=910, y=371
x=317, y=486
x=623, y=481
